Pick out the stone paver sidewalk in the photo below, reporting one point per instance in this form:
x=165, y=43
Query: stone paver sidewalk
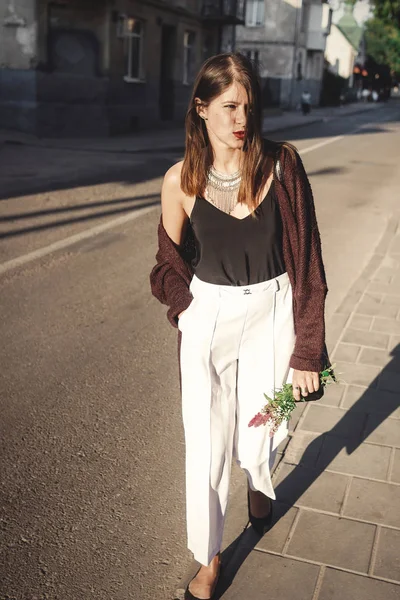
x=337, y=527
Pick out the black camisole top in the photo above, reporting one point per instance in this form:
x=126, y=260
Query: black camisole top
x=231, y=251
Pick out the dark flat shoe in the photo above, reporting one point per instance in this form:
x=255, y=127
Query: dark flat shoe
x=188, y=593
x=260, y=524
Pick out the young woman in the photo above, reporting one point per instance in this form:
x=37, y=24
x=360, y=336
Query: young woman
x=239, y=265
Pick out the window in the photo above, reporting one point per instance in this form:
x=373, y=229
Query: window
x=254, y=13
x=253, y=55
x=132, y=31
x=188, y=57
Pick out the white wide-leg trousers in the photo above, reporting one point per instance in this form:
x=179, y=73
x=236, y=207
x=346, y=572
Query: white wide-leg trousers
x=236, y=345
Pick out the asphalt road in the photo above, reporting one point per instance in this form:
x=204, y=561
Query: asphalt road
x=92, y=490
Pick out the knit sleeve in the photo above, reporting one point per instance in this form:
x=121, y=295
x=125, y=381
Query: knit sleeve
x=167, y=282
x=170, y=289
x=310, y=280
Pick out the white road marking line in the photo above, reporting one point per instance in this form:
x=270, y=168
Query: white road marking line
x=320, y=144
x=73, y=239
x=340, y=137
x=88, y=233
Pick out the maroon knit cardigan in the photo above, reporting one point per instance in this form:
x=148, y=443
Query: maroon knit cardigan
x=170, y=278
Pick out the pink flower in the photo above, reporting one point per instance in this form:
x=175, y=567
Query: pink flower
x=280, y=406
x=259, y=419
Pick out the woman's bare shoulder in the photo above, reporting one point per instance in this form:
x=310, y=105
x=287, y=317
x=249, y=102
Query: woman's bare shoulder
x=172, y=178
x=172, y=193
x=172, y=203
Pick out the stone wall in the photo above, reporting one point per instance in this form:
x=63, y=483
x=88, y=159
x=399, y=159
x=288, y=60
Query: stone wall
x=18, y=56
x=18, y=34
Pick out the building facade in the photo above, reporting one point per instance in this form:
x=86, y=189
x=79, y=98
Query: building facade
x=345, y=45
x=345, y=50
x=286, y=39
x=340, y=54
x=101, y=67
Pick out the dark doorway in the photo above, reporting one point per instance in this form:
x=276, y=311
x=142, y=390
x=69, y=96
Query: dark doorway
x=168, y=44
x=73, y=46
x=73, y=51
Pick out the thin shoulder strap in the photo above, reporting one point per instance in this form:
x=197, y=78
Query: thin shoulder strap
x=277, y=163
x=274, y=149
x=278, y=169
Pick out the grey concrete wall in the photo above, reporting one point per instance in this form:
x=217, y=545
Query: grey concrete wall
x=52, y=104
x=18, y=34
x=64, y=102
x=274, y=42
x=71, y=105
x=282, y=32
x=34, y=99
x=18, y=99
x=18, y=57
x=279, y=24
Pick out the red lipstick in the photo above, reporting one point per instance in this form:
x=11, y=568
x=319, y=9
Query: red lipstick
x=239, y=134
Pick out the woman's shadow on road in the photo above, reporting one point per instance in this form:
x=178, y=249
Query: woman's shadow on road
x=363, y=417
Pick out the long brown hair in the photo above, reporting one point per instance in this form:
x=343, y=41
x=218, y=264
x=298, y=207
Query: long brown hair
x=214, y=77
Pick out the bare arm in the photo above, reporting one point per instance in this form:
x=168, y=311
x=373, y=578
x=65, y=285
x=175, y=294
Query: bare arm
x=174, y=216
x=172, y=198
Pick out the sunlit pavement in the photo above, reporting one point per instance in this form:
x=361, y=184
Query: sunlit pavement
x=92, y=489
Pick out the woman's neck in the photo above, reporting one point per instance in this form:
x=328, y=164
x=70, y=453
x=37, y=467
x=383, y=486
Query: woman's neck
x=227, y=160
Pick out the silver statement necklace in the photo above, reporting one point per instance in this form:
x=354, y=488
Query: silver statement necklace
x=222, y=190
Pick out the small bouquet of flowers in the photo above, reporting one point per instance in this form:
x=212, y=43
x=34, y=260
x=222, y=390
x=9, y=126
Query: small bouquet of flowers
x=280, y=407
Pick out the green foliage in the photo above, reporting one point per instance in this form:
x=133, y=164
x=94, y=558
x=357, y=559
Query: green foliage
x=387, y=11
x=282, y=405
x=383, y=41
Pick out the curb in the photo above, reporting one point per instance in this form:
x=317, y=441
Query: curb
x=180, y=148
x=321, y=119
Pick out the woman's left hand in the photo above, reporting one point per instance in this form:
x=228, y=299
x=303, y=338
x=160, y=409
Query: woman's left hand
x=304, y=382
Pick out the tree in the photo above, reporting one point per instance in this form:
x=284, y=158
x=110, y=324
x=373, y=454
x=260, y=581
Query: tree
x=382, y=34
x=383, y=43
x=387, y=11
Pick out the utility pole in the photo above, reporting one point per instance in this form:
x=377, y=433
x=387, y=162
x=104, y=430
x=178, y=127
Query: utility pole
x=295, y=46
